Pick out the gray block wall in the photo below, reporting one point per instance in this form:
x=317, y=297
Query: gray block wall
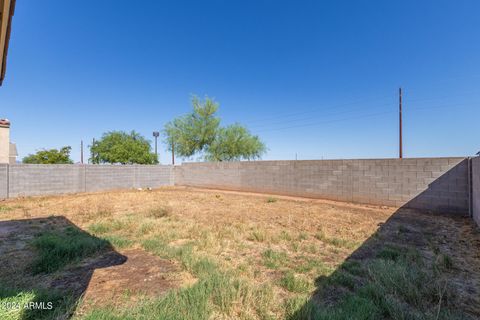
x=3, y=181
x=100, y=178
x=476, y=189
x=153, y=176
x=436, y=184
x=33, y=179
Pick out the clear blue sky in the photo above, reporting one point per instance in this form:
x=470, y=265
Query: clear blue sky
x=316, y=78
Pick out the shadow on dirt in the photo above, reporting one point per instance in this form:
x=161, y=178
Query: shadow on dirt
x=46, y=265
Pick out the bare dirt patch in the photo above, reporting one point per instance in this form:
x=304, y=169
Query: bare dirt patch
x=142, y=274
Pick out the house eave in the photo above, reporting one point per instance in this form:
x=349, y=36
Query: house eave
x=7, y=8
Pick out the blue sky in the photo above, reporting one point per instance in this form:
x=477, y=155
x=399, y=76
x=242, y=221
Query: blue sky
x=314, y=78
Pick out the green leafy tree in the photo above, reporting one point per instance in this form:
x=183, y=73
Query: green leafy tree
x=51, y=156
x=199, y=132
x=235, y=143
x=122, y=147
x=193, y=132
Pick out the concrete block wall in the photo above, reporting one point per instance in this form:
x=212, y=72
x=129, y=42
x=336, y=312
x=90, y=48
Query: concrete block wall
x=32, y=179
x=123, y=177
x=436, y=184
x=3, y=181
x=153, y=176
x=475, y=163
x=100, y=178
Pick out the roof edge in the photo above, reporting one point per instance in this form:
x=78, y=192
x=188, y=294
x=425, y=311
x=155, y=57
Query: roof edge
x=7, y=40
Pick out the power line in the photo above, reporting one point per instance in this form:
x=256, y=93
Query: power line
x=445, y=106
x=443, y=97
x=309, y=124
x=287, y=121
x=326, y=122
x=362, y=101
x=288, y=116
x=316, y=109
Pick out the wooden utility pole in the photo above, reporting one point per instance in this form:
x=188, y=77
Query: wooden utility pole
x=400, y=146
x=92, y=154
x=173, y=153
x=81, y=151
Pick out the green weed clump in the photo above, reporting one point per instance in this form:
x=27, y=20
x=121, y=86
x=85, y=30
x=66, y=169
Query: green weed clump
x=107, y=226
x=274, y=259
x=258, y=236
x=271, y=200
x=395, y=284
x=285, y=236
x=57, y=249
x=99, y=228
x=294, y=283
x=5, y=208
x=334, y=241
x=119, y=241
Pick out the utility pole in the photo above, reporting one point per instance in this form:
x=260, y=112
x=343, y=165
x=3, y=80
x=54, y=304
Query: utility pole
x=92, y=154
x=156, y=134
x=81, y=151
x=173, y=153
x=400, y=146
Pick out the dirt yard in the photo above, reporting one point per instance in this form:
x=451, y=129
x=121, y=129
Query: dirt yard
x=181, y=253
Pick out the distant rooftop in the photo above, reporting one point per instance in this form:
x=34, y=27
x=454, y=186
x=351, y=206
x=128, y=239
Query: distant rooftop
x=5, y=123
x=13, y=151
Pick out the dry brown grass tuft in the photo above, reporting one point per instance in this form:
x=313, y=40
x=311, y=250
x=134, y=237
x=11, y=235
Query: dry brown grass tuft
x=160, y=211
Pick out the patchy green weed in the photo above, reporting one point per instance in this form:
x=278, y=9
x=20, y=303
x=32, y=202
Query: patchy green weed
x=294, y=283
x=59, y=249
x=271, y=200
x=274, y=259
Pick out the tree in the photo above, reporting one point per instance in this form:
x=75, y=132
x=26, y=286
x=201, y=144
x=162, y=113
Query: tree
x=51, y=156
x=235, y=143
x=192, y=133
x=199, y=132
x=122, y=147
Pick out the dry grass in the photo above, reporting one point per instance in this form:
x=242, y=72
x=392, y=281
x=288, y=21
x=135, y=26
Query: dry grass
x=272, y=249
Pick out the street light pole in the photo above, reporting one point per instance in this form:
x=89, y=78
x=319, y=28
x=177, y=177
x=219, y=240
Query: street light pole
x=81, y=151
x=400, y=135
x=156, y=134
